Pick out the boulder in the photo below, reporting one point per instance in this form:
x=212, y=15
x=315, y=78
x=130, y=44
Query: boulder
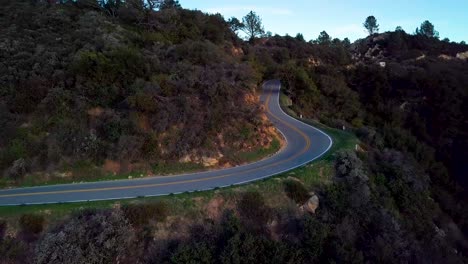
x=96, y=111
x=185, y=159
x=209, y=162
x=445, y=57
x=422, y=57
x=312, y=204
x=463, y=55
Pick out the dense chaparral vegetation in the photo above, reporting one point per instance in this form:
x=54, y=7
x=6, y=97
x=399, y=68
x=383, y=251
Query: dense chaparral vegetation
x=139, y=88
x=149, y=80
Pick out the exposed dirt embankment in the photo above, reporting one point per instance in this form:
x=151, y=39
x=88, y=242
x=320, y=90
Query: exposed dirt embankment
x=241, y=142
x=233, y=141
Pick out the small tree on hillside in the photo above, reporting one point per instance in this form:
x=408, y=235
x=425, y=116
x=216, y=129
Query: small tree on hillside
x=346, y=43
x=152, y=4
x=235, y=24
x=300, y=37
x=399, y=29
x=252, y=26
x=427, y=29
x=371, y=25
x=170, y=4
x=324, y=38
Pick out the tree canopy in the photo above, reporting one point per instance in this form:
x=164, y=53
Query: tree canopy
x=371, y=25
x=165, y=4
x=300, y=37
x=427, y=29
x=252, y=26
x=235, y=24
x=324, y=38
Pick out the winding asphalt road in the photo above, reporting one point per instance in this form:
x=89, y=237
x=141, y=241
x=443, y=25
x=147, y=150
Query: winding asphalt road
x=304, y=144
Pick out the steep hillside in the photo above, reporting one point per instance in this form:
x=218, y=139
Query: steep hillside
x=82, y=88
x=405, y=96
x=423, y=88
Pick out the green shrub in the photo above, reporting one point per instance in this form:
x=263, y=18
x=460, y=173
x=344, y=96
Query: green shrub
x=314, y=234
x=335, y=200
x=357, y=122
x=17, y=170
x=193, y=254
x=91, y=236
x=14, y=151
x=3, y=227
x=141, y=214
x=143, y=102
x=13, y=251
x=249, y=248
x=199, y=52
x=149, y=38
x=246, y=132
x=31, y=223
x=92, y=64
x=253, y=211
x=296, y=191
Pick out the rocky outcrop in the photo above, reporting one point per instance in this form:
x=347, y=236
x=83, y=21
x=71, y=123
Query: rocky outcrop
x=312, y=204
x=186, y=159
x=445, y=57
x=209, y=162
x=380, y=37
x=462, y=55
x=314, y=62
x=374, y=53
x=422, y=57
x=96, y=111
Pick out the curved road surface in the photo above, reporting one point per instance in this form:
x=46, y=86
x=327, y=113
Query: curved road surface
x=304, y=144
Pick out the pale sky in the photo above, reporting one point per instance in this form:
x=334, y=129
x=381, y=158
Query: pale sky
x=344, y=18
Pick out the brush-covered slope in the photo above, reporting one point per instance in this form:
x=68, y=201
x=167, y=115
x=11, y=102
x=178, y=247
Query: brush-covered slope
x=127, y=87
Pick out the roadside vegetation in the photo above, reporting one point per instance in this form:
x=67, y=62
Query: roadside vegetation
x=173, y=212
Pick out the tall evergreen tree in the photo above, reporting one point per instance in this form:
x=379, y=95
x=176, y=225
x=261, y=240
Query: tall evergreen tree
x=324, y=38
x=371, y=25
x=252, y=26
x=427, y=29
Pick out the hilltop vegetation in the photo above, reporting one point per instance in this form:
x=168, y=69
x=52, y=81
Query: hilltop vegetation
x=405, y=97
x=79, y=86
x=83, y=81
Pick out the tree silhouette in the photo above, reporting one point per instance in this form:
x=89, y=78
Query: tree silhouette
x=324, y=38
x=399, y=29
x=371, y=25
x=235, y=24
x=252, y=26
x=300, y=37
x=427, y=29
